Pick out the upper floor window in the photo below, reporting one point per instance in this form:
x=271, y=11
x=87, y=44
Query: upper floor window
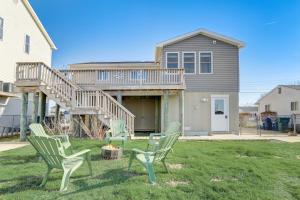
x=267, y=108
x=294, y=106
x=189, y=63
x=206, y=63
x=27, y=44
x=1, y=28
x=172, y=60
x=103, y=75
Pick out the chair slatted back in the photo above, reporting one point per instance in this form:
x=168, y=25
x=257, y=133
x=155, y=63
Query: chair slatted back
x=50, y=149
x=173, y=128
x=38, y=130
x=165, y=145
x=118, y=127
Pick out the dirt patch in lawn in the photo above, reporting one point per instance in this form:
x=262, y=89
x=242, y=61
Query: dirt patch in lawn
x=174, y=183
x=216, y=179
x=175, y=166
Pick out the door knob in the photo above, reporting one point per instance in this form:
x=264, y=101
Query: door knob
x=226, y=117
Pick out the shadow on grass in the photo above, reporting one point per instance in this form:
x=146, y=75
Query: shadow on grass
x=108, y=178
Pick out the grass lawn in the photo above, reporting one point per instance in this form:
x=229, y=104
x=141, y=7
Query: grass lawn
x=199, y=170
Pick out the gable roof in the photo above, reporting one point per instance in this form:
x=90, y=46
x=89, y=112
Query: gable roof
x=205, y=32
x=295, y=87
x=39, y=23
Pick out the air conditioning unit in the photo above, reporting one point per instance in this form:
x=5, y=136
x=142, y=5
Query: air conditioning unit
x=8, y=87
x=1, y=86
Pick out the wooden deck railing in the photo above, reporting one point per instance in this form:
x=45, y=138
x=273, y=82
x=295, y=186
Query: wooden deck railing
x=144, y=77
x=77, y=97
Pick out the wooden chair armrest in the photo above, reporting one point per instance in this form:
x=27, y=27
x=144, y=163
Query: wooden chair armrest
x=79, y=153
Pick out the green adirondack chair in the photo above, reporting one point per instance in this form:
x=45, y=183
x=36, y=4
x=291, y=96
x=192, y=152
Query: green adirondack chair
x=148, y=158
x=38, y=130
x=117, y=132
x=172, y=128
x=52, y=152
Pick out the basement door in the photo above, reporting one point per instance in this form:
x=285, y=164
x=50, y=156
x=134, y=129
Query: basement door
x=219, y=113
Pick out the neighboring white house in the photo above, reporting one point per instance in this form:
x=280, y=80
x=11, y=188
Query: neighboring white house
x=283, y=99
x=22, y=39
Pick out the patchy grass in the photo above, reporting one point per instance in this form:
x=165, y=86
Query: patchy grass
x=199, y=170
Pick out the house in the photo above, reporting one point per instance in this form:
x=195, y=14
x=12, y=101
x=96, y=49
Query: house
x=283, y=99
x=193, y=79
x=22, y=39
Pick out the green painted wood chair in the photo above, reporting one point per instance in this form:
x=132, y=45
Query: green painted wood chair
x=153, y=141
x=38, y=130
x=52, y=152
x=117, y=132
x=148, y=158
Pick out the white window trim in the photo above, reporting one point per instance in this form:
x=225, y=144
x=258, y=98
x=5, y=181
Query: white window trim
x=182, y=61
x=166, y=59
x=25, y=44
x=212, y=62
x=295, y=105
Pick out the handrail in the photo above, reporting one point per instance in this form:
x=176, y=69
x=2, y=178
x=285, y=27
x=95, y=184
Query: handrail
x=147, y=77
x=79, y=98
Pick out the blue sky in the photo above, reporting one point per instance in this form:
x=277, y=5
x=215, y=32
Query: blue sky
x=118, y=30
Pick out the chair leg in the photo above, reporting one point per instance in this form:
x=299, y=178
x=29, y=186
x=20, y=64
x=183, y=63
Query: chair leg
x=88, y=159
x=164, y=164
x=65, y=180
x=151, y=173
x=46, y=177
x=130, y=160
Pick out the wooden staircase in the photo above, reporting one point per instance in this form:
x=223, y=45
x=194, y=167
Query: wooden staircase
x=70, y=96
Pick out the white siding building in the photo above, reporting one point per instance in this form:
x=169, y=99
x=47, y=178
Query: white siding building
x=283, y=99
x=22, y=39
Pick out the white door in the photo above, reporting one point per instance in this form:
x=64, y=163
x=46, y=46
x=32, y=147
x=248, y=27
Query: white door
x=219, y=113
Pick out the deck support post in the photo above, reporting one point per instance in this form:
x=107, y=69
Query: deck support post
x=181, y=110
x=119, y=97
x=166, y=109
x=156, y=115
x=23, y=119
x=56, y=116
x=42, y=107
x=35, y=107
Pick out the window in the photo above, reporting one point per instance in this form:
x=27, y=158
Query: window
x=27, y=44
x=219, y=107
x=267, y=108
x=189, y=62
x=1, y=28
x=279, y=90
x=206, y=63
x=138, y=74
x=294, y=106
x=172, y=60
x=103, y=75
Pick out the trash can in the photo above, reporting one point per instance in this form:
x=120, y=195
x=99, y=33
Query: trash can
x=283, y=124
x=267, y=124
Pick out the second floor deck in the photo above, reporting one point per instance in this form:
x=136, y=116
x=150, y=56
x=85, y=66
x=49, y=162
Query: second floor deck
x=149, y=78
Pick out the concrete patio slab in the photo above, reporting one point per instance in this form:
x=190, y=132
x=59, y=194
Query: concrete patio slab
x=5, y=146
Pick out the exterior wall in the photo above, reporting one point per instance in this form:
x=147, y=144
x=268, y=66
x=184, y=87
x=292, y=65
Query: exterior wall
x=197, y=114
x=225, y=77
x=280, y=103
x=17, y=23
x=173, y=105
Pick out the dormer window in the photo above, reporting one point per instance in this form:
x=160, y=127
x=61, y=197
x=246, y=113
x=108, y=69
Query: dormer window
x=1, y=28
x=27, y=44
x=279, y=90
x=172, y=60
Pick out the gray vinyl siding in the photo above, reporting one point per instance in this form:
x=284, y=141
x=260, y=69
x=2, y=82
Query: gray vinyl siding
x=225, y=77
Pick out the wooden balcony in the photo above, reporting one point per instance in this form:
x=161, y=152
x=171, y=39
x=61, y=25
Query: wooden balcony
x=128, y=78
